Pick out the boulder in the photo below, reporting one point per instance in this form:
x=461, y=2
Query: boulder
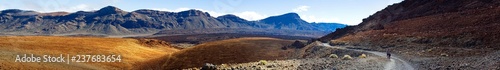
x=209, y=66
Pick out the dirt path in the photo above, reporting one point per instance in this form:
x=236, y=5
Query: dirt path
x=395, y=62
x=375, y=61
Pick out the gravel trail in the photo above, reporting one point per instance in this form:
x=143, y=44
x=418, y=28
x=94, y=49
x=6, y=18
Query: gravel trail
x=395, y=62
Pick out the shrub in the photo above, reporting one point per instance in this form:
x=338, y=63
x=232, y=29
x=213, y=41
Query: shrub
x=223, y=65
x=444, y=54
x=347, y=57
x=333, y=56
x=262, y=62
x=428, y=50
x=362, y=56
x=284, y=48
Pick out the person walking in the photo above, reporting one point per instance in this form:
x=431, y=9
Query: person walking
x=388, y=55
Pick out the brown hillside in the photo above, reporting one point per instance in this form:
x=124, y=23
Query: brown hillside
x=132, y=51
x=203, y=38
x=230, y=51
x=409, y=9
x=470, y=24
x=434, y=34
x=475, y=29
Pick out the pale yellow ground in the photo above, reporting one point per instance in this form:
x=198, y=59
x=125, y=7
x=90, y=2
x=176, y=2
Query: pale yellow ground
x=131, y=51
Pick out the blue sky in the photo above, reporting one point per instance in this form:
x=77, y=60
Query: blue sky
x=349, y=12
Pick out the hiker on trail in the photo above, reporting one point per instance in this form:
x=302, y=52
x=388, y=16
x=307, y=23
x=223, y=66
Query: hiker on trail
x=388, y=55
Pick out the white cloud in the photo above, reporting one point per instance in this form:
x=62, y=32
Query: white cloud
x=328, y=20
x=250, y=15
x=164, y=9
x=2, y=7
x=301, y=9
x=80, y=7
x=61, y=5
x=317, y=19
x=351, y=22
x=310, y=18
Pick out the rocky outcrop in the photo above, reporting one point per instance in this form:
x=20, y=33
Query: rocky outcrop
x=209, y=66
x=154, y=43
x=296, y=45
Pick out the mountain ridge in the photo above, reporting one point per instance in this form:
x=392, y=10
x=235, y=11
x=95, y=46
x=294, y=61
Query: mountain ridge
x=111, y=20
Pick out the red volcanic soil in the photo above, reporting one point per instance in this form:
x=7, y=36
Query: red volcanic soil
x=434, y=34
x=229, y=51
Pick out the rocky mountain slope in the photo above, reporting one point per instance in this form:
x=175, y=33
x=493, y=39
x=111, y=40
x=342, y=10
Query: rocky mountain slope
x=460, y=31
x=114, y=21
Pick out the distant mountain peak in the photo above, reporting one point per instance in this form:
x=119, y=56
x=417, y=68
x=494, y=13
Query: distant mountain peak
x=18, y=12
x=286, y=18
x=193, y=12
x=11, y=11
x=291, y=14
x=149, y=11
x=231, y=17
x=145, y=10
x=114, y=21
x=110, y=10
x=227, y=15
x=15, y=11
